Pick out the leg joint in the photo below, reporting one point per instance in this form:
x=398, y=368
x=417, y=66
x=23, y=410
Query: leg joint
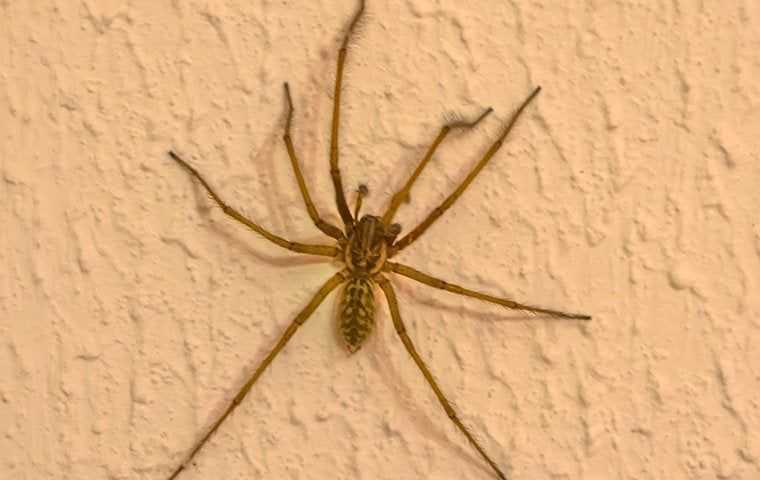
x=450, y=412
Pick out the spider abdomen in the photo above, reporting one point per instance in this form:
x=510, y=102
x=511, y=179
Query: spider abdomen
x=357, y=313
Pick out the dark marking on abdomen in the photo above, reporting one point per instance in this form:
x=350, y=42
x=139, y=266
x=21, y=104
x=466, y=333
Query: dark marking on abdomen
x=357, y=313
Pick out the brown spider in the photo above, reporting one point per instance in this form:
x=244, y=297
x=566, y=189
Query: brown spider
x=365, y=246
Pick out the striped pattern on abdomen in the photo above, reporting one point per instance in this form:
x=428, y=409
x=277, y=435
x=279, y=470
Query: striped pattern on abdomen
x=357, y=313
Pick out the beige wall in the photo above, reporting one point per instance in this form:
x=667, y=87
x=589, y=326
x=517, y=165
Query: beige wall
x=130, y=310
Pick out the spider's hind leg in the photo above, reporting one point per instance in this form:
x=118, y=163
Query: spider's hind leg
x=331, y=284
x=398, y=323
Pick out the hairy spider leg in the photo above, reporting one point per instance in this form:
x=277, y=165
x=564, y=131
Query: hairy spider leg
x=434, y=282
x=390, y=295
x=439, y=210
x=323, y=250
x=326, y=227
x=403, y=194
x=300, y=319
x=340, y=196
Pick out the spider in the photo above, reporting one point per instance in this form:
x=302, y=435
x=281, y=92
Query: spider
x=366, y=246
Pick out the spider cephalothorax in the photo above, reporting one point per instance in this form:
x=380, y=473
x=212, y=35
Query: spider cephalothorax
x=368, y=244
x=365, y=246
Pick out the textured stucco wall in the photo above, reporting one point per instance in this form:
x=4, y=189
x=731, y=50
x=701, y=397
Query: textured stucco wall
x=130, y=310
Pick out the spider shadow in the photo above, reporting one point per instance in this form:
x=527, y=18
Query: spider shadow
x=422, y=419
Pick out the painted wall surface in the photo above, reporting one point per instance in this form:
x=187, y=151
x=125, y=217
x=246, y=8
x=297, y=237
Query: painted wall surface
x=131, y=309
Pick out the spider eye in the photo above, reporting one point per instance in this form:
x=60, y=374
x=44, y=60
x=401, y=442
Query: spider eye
x=394, y=229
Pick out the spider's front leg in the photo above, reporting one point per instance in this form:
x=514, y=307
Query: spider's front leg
x=409, y=238
x=326, y=227
x=340, y=195
x=403, y=194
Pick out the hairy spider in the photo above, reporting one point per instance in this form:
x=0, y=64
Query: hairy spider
x=365, y=246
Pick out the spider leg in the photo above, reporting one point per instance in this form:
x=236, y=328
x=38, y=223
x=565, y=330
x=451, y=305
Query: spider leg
x=439, y=210
x=442, y=285
x=390, y=296
x=300, y=319
x=340, y=196
x=326, y=227
x=402, y=195
x=323, y=250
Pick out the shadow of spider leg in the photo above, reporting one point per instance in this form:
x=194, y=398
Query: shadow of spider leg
x=326, y=227
x=323, y=250
x=300, y=319
x=434, y=282
x=398, y=323
x=438, y=211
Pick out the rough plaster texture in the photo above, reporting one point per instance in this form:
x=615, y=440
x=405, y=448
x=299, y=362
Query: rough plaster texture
x=131, y=310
